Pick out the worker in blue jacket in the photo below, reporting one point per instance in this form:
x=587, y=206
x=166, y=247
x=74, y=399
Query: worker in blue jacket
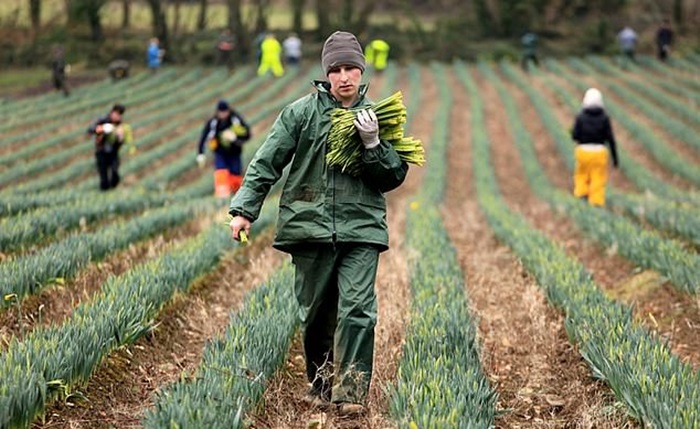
x=154, y=55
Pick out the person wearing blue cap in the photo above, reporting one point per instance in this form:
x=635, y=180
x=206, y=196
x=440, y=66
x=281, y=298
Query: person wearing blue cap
x=225, y=133
x=154, y=54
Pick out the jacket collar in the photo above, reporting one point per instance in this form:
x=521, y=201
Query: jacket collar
x=324, y=87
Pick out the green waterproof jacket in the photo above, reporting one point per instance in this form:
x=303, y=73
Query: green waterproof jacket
x=319, y=204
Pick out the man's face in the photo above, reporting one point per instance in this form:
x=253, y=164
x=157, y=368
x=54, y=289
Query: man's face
x=345, y=83
x=222, y=114
x=115, y=117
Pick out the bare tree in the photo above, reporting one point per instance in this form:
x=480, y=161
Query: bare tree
x=35, y=13
x=298, y=15
x=324, y=19
x=78, y=11
x=86, y=10
x=351, y=15
x=176, y=18
x=126, y=14
x=202, y=19
x=261, y=11
x=357, y=17
x=160, y=25
x=235, y=24
x=70, y=14
x=93, y=15
x=678, y=15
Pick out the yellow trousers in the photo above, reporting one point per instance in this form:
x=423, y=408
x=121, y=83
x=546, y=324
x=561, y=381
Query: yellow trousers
x=380, y=59
x=273, y=63
x=591, y=173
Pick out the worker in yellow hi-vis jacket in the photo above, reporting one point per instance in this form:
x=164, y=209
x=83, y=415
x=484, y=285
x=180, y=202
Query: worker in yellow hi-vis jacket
x=271, y=56
x=592, y=131
x=377, y=54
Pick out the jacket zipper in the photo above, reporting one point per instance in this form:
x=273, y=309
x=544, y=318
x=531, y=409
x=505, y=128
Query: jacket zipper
x=334, y=235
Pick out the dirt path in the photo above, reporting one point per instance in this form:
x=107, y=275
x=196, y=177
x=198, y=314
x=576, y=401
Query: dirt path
x=663, y=309
x=124, y=385
x=541, y=380
x=283, y=407
x=625, y=140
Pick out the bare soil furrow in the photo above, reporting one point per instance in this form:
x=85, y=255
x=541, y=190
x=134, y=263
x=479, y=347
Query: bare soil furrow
x=56, y=302
x=541, y=380
x=124, y=385
x=675, y=316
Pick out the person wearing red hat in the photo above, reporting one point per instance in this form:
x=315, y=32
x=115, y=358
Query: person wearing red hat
x=224, y=133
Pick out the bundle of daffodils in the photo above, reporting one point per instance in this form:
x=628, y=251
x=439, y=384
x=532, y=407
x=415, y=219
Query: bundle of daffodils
x=345, y=150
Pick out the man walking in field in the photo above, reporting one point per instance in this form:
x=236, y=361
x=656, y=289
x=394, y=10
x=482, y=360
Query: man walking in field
x=224, y=47
x=110, y=135
x=224, y=133
x=333, y=224
x=59, y=68
x=628, y=43
x=529, y=43
x=292, y=49
x=664, y=40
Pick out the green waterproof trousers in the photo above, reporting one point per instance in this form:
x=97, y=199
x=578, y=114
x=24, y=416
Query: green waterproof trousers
x=338, y=309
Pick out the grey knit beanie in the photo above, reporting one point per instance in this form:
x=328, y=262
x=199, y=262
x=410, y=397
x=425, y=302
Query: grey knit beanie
x=342, y=48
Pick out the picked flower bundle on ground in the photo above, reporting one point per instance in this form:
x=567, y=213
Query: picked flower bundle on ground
x=343, y=140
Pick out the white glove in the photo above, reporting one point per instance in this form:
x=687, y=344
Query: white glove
x=201, y=160
x=229, y=136
x=107, y=128
x=368, y=127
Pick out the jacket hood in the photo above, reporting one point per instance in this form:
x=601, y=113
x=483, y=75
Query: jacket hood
x=594, y=111
x=592, y=99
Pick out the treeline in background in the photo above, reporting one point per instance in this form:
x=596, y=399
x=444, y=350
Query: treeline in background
x=94, y=32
